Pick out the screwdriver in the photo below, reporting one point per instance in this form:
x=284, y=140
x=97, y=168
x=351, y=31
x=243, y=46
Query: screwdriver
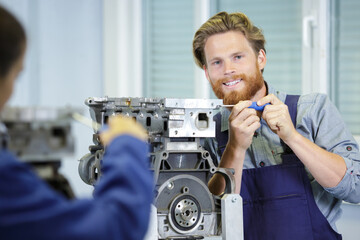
x=253, y=105
x=86, y=121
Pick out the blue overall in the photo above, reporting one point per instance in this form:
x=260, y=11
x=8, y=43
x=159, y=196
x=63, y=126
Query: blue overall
x=278, y=202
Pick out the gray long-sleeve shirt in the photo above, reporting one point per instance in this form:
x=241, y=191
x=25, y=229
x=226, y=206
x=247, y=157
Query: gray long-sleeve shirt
x=319, y=121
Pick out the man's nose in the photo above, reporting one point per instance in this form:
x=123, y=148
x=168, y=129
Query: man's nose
x=229, y=67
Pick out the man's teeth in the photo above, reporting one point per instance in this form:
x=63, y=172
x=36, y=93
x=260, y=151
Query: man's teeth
x=232, y=83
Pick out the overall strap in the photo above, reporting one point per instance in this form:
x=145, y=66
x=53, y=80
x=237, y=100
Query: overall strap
x=221, y=137
x=291, y=101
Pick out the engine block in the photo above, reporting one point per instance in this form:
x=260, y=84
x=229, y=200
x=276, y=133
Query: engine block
x=185, y=208
x=42, y=137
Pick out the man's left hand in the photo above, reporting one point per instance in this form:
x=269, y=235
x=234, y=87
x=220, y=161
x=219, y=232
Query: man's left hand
x=277, y=117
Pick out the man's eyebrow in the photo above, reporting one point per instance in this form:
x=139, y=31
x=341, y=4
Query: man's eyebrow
x=238, y=53
x=214, y=58
x=231, y=55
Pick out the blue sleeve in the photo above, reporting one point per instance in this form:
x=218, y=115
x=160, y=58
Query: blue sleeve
x=319, y=120
x=120, y=209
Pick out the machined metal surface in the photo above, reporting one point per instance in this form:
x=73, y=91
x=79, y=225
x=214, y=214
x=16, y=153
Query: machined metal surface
x=39, y=133
x=42, y=137
x=232, y=203
x=185, y=209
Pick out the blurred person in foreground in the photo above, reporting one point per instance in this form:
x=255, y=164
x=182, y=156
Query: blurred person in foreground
x=30, y=209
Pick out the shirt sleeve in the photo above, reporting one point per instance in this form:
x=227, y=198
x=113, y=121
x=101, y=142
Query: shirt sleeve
x=120, y=209
x=319, y=120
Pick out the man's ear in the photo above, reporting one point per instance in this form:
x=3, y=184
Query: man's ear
x=261, y=59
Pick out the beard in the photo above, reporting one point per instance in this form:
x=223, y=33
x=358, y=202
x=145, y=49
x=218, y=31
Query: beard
x=252, y=85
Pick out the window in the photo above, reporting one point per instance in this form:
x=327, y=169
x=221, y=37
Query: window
x=347, y=61
x=169, y=67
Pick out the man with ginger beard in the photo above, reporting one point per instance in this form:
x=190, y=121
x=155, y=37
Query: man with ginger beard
x=295, y=161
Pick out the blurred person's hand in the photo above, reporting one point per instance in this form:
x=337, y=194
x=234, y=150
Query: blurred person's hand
x=119, y=125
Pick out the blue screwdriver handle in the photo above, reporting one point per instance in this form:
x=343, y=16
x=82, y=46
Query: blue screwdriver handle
x=258, y=108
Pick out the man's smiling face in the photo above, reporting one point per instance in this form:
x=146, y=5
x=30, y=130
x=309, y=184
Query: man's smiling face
x=232, y=67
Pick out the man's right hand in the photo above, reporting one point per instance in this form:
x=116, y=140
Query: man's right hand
x=243, y=122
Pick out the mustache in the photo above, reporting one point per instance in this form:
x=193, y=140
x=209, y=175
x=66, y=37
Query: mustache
x=241, y=76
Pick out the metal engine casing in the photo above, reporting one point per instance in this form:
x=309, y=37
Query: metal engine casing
x=42, y=137
x=39, y=134
x=181, y=165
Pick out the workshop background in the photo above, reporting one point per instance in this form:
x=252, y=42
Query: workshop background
x=120, y=48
